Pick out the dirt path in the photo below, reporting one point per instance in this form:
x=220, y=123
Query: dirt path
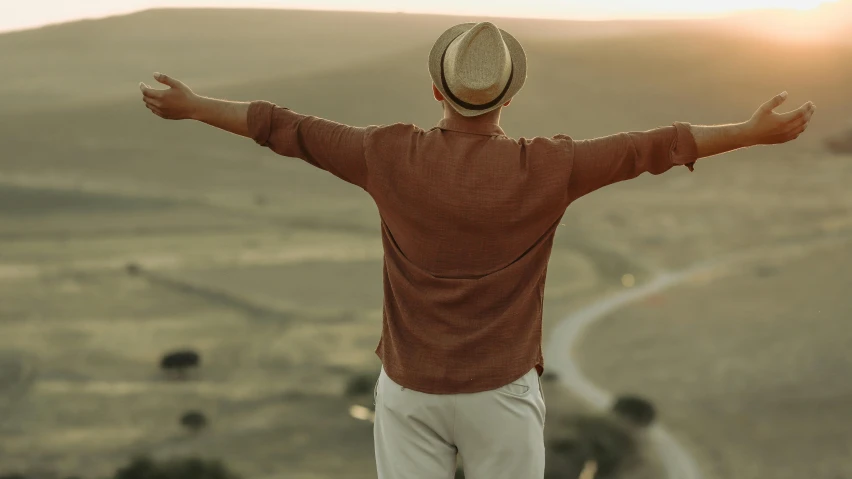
x=559, y=351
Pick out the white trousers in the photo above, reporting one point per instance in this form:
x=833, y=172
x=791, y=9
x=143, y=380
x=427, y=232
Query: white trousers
x=499, y=434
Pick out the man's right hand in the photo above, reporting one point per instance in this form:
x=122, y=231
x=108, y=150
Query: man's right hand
x=178, y=102
x=768, y=128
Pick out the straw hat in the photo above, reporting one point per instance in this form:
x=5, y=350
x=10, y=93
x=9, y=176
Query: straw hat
x=477, y=67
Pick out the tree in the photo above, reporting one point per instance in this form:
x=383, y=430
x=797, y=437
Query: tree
x=361, y=385
x=194, y=420
x=635, y=410
x=612, y=445
x=180, y=361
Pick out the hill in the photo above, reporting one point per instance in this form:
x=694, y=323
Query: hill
x=271, y=268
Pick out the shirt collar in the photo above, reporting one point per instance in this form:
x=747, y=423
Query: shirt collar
x=474, y=126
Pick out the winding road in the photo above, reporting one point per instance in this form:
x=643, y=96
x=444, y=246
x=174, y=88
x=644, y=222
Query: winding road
x=563, y=340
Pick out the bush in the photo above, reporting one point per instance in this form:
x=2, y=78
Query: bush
x=180, y=361
x=194, y=420
x=603, y=439
x=635, y=410
x=191, y=468
x=361, y=385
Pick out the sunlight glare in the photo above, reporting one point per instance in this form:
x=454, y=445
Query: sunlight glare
x=40, y=12
x=804, y=25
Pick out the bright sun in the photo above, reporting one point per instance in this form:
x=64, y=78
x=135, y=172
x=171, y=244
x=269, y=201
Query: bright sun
x=800, y=4
x=808, y=24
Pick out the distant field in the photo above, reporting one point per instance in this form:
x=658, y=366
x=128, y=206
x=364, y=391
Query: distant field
x=272, y=269
x=748, y=369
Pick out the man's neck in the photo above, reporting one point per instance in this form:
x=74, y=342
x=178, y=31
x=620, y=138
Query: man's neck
x=490, y=118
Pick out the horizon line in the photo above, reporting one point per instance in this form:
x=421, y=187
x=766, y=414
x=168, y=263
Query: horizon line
x=635, y=19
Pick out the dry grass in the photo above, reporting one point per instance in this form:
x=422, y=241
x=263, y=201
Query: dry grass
x=283, y=297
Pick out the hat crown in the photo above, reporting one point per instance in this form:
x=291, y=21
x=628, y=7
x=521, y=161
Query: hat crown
x=477, y=64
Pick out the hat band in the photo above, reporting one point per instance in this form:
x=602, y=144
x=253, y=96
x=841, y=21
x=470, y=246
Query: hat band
x=471, y=106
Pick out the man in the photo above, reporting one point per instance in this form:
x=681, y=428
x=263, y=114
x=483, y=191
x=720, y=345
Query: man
x=468, y=217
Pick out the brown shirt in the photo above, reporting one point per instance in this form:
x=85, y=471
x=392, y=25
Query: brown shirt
x=468, y=217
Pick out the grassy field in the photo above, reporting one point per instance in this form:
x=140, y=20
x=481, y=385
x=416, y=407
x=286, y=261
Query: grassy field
x=747, y=367
x=272, y=269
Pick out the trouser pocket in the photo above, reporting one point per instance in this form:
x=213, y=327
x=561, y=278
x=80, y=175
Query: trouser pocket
x=376, y=389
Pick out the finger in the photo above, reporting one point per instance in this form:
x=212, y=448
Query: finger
x=775, y=102
x=150, y=92
x=801, y=119
x=792, y=134
x=797, y=114
x=167, y=80
x=153, y=102
x=155, y=110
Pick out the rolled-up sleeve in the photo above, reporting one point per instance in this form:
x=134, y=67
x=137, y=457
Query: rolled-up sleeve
x=610, y=159
x=331, y=146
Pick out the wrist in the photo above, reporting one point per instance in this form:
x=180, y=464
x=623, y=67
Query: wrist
x=745, y=134
x=198, y=108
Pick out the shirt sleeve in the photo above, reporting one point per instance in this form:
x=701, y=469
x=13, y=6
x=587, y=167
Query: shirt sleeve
x=610, y=159
x=331, y=146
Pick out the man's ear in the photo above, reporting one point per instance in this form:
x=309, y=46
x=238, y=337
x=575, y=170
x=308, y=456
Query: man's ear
x=437, y=94
x=507, y=103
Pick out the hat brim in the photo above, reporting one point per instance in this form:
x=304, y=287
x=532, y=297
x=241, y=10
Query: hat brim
x=519, y=68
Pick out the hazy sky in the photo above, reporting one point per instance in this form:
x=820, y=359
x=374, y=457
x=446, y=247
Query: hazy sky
x=16, y=14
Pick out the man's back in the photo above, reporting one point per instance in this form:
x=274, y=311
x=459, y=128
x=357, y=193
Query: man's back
x=468, y=217
x=462, y=202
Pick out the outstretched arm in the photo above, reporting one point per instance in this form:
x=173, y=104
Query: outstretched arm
x=602, y=161
x=764, y=128
x=179, y=102
x=331, y=146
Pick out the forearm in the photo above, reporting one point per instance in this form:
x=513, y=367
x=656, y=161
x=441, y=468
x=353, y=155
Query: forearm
x=713, y=140
x=227, y=115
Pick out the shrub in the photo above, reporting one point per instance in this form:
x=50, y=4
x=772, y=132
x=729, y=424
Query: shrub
x=189, y=468
x=194, y=420
x=603, y=439
x=635, y=410
x=180, y=361
x=361, y=385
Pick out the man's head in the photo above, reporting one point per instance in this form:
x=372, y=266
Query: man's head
x=476, y=69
